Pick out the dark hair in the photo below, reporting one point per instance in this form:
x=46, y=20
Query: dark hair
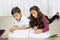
x=14, y=10
x=36, y=21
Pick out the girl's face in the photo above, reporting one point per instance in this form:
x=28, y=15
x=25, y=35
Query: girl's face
x=17, y=16
x=34, y=13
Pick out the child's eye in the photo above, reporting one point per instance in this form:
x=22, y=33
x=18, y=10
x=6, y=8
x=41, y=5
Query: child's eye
x=15, y=15
x=33, y=12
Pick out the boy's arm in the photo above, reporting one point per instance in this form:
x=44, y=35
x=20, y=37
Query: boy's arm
x=20, y=27
x=15, y=27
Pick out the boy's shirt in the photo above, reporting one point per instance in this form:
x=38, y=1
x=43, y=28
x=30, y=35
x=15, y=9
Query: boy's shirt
x=23, y=22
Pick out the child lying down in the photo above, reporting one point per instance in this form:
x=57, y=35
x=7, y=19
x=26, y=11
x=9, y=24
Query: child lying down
x=21, y=22
x=20, y=28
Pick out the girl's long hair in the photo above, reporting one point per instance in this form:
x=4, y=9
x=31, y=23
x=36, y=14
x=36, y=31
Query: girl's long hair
x=36, y=21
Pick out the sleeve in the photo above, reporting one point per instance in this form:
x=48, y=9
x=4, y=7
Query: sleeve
x=15, y=22
x=27, y=22
x=46, y=25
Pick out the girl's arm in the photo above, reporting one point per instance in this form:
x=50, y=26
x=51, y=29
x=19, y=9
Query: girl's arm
x=46, y=25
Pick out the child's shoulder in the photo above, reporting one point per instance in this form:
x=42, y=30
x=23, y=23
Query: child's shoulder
x=24, y=17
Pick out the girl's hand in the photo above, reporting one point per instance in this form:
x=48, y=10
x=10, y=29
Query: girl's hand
x=38, y=31
x=35, y=27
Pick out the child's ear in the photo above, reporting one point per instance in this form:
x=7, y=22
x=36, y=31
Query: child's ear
x=20, y=14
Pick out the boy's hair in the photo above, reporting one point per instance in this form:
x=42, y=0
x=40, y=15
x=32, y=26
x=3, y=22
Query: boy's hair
x=15, y=10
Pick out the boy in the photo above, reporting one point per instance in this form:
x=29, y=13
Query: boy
x=21, y=22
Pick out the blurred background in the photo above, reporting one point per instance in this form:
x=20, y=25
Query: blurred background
x=48, y=7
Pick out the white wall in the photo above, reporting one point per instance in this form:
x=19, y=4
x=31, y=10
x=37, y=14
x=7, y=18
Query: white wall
x=48, y=7
x=58, y=5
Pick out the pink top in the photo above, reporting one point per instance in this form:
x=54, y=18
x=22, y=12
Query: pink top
x=46, y=25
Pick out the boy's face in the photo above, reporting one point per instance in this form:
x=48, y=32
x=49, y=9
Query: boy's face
x=17, y=16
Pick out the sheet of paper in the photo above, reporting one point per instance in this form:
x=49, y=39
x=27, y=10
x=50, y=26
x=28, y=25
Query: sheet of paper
x=19, y=34
x=28, y=33
x=40, y=35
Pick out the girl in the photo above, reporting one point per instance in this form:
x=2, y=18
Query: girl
x=37, y=20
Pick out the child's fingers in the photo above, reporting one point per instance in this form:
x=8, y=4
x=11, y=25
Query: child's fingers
x=35, y=28
x=12, y=29
x=38, y=31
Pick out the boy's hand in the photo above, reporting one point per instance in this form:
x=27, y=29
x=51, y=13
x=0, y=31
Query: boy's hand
x=13, y=28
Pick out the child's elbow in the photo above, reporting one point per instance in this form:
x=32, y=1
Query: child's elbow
x=45, y=30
